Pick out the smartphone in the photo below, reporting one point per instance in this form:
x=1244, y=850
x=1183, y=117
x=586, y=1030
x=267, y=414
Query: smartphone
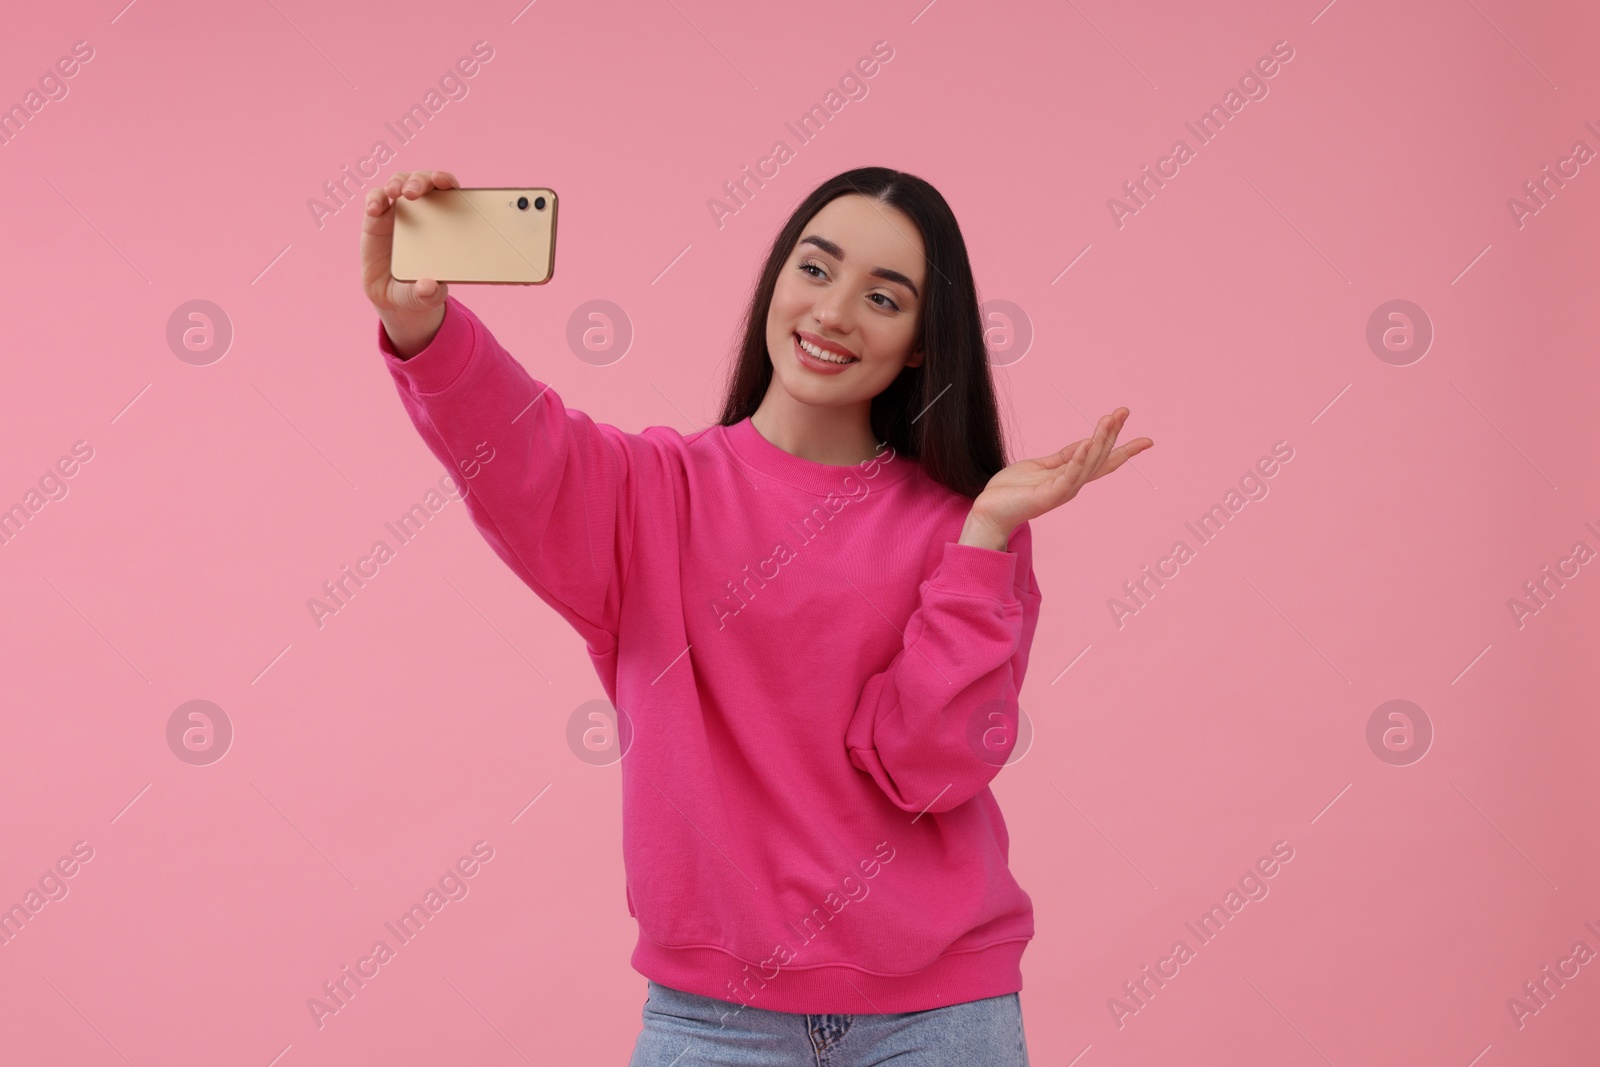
x=490, y=236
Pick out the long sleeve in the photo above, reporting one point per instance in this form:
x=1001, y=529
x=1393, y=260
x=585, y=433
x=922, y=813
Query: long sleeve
x=553, y=492
x=935, y=727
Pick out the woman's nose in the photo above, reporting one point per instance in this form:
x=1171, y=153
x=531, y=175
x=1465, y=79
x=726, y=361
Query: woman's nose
x=828, y=313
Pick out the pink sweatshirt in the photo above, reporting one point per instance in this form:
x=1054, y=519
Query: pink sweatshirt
x=820, y=680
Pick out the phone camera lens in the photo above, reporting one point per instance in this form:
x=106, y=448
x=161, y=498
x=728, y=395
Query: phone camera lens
x=522, y=203
x=538, y=202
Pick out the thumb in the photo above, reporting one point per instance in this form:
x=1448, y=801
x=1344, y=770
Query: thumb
x=424, y=294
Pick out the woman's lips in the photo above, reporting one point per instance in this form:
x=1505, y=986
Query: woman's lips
x=812, y=363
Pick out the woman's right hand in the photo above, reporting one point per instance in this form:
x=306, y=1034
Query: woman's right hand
x=411, y=311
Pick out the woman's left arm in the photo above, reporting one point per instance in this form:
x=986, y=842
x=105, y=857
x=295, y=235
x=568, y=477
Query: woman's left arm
x=936, y=727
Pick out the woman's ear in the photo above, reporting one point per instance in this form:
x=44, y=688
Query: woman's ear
x=915, y=359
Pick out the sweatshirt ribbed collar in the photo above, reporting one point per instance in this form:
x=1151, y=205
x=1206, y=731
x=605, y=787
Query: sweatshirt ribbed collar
x=819, y=479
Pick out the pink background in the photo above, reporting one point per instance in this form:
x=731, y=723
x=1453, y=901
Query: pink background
x=1169, y=755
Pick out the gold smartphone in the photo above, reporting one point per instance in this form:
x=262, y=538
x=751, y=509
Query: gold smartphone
x=491, y=236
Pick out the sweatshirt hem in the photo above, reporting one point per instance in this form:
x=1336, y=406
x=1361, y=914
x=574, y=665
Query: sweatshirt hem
x=954, y=978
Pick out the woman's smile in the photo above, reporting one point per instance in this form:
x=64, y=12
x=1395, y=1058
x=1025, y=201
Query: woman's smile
x=822, y=360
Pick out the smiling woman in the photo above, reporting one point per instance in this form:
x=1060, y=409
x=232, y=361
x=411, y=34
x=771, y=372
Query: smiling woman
x=838, y=713
x=871, y=268
x=841, y=327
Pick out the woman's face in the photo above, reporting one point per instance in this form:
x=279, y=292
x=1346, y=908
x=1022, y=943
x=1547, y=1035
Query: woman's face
x=854, y=282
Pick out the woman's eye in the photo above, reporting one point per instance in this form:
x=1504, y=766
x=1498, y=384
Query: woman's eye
x=809, y=266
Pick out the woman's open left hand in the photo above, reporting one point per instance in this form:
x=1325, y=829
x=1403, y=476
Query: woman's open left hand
x=1030, y=487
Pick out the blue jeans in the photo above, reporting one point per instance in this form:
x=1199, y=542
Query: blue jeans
x=688, y=1030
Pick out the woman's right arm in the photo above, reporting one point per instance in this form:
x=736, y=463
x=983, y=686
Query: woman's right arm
x=553, y=492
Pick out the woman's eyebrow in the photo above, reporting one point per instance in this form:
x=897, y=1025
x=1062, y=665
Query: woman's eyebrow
x=878, y=272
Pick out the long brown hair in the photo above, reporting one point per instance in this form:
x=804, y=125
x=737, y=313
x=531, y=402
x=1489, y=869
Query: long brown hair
x=942, y=414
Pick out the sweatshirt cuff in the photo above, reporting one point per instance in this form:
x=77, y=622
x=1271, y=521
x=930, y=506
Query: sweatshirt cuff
x=437, y=366
x=975, y=571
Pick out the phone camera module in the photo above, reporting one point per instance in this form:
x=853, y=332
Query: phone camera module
x=522, y=203
x=538, y=202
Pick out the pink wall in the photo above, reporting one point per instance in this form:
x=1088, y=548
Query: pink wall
x=1172, y=749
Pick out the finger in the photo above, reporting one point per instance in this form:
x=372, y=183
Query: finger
x=377, y=240
x=1077, y=462
x=377, y=202
x=1114, y=423
x=1121, y=456
x=443, y=179
x=1071, y=476
x=429, y=293
x=416, y=184
x=1060, y=456
x=1064, y=455
x=1100, y=440
x=1113, y=427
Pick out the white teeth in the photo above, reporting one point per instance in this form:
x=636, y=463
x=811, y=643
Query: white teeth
x=817, y=353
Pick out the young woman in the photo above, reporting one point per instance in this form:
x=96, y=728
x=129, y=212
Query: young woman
x=815, y=615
